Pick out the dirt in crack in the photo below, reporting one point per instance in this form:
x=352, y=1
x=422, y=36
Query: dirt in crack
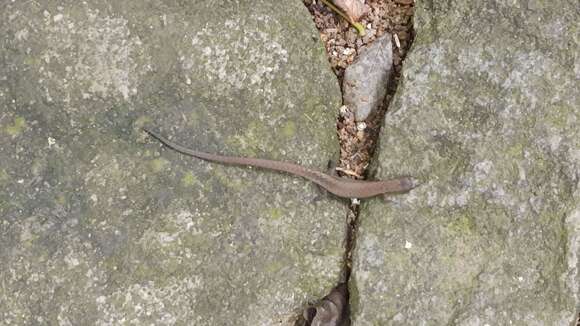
x=357, y=142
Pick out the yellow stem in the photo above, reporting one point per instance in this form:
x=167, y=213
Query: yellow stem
x=359, y=27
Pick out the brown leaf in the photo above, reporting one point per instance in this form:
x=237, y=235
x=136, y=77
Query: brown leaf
x=332, y=310
x=354, y=9
x=405, y=2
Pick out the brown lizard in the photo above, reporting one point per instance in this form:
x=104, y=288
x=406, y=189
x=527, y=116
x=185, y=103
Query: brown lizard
x=341, y=187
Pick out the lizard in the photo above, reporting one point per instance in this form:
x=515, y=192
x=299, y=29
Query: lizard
x=341, y=187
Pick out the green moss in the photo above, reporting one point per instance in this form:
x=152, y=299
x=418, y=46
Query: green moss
x=16, y=127
x=196, y=241
x=289, y=129
x=548, y=217
x=275, y=213
x=33, y=61
x=253, y=137
x=61, y=199
x=463, y=224
x=3, y=177
x=558, y=116
x=158, y=164
x=189, y=179
x=515, y=150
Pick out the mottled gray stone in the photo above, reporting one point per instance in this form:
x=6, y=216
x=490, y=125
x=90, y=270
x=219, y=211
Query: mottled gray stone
x=365, y=80
x=99, y=225
x=488, y=117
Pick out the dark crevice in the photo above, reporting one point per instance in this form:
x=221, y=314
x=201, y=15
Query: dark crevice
x=358, y=147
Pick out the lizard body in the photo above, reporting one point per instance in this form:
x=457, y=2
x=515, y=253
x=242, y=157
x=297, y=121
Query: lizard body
x=340, y=187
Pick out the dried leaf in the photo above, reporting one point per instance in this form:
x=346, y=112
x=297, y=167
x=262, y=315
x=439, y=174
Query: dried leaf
x=359, y=27
x=332, y=310
x=354, y=9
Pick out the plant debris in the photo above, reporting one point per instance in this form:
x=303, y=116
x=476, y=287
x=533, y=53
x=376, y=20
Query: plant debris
x=358, y=26
x=332, y=310
x=354, y=9
x=343, y=45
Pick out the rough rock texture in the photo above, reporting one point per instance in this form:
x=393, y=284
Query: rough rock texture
x=101, y=226
x=488, y=116
x=365, y=80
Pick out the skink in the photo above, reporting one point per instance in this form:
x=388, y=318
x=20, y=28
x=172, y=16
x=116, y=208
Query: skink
x=341, y=187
